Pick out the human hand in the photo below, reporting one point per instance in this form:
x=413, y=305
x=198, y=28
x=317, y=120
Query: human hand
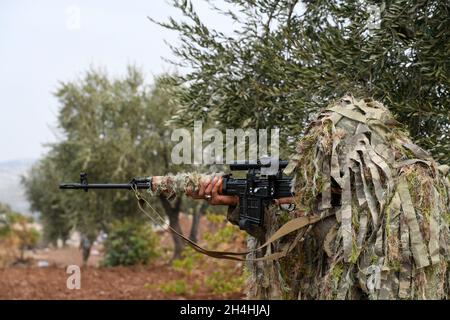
x=210, y=191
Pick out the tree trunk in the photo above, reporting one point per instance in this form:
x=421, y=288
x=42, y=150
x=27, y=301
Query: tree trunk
x=196, y=220
x=86, y=253
x=173, y=213
x=22, y=254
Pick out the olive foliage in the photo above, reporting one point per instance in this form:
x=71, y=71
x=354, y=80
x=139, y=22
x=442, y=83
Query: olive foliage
x=286, y=59
x=114, y=129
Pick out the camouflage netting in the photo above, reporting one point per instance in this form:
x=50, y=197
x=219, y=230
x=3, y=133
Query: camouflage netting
x=387, y=234
x=172, y=185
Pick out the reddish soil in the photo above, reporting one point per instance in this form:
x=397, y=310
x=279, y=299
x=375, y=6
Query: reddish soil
x=138, y=282
x=97, y=283
x=63, y=257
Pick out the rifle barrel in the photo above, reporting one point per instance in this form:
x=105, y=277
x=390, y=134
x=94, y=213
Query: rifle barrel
x=126, y=186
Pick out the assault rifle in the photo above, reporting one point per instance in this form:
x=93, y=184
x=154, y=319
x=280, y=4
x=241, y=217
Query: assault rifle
x=257, y=190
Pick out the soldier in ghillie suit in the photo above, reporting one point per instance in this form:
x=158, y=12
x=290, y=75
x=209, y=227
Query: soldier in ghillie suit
x=384, y=211
x=385, y=203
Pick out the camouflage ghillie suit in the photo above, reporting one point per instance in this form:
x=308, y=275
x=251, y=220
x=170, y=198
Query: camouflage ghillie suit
x=385, y=203
x=385, y=209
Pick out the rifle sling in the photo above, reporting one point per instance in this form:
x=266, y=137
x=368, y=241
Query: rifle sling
x=288, y=227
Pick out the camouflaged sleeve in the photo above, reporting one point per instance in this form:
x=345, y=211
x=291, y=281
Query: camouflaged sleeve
x=173, y=185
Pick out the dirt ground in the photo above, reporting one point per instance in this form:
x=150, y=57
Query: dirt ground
x=96, y=283
x=138, y=282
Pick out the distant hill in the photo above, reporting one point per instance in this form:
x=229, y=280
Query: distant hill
x=11, y=190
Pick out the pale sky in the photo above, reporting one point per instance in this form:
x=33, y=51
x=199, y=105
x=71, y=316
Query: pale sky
x=43, y=42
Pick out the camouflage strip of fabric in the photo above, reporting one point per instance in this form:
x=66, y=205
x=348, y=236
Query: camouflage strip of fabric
x=390, y=235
